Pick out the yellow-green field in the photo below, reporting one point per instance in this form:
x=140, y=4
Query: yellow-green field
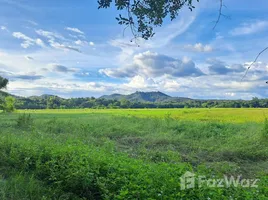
x=200, y=114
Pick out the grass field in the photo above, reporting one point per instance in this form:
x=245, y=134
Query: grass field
x=200, y=114
x=131, y=154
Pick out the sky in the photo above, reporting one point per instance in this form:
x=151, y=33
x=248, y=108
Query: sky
x=72, y=49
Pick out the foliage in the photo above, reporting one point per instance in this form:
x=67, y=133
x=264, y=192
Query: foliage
x=3, y=82
x=227, y=115
x=9, y=104
x=143, y=15
x=136, y=100
x=101, y=156
x=265, y=129
x=25, y=121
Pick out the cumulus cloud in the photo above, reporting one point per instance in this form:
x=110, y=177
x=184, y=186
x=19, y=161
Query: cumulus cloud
x=151, y=64
x=220, y=67
x=76, y=30
x=27, y=41
x=139, y=82
x=199, y=47
x=249, y=28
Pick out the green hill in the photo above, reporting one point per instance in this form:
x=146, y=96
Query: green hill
x=145, y=97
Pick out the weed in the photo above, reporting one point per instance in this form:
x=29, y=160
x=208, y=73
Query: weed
x=265, y=129
x=25, y=121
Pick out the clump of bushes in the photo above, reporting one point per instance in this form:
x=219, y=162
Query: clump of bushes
x=25, y=121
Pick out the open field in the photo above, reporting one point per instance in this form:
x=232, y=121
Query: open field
x=131, y=154
x=199, y=114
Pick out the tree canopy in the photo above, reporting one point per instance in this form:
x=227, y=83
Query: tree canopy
x=143, y=15
x=3, y=82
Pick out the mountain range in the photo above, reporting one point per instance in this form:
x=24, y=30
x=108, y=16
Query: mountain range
x=154, y=97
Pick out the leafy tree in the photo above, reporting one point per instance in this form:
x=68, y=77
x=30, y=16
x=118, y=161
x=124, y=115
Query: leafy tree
x=9, y=105
x=3, y=82
x=143, y=15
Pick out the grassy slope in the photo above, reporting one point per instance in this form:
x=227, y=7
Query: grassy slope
x=127, y=156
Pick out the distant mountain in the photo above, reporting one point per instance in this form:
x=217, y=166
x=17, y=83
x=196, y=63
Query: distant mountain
x=44, y=96
x=145, y=97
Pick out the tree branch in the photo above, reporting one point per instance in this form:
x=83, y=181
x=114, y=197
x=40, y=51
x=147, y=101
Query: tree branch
x=253, y=63
x=219, y=15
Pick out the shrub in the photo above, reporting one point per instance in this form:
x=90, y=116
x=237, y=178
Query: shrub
x=25, y=121
x=9, y=104
x=265, y=129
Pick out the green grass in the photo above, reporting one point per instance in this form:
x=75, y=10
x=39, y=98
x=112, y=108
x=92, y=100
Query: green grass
x=231, y=115
x=126, y=154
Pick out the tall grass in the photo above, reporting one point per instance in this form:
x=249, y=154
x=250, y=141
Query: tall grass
x=93, y=156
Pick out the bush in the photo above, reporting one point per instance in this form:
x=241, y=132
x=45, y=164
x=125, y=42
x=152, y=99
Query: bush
x=9, y=104
x=25, y=121
x=265, y=129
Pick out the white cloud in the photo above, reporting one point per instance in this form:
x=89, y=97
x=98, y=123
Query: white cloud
x=27, y=40
x=3, y=28
x=32, y=22
x=49, y=35
x=76, y=30
x=59, y=44
x=139, y=82
x=171, y=85
x=80, y=42
x=199, y=47
x=250, y=28
x=65, y=47
x=150, y=64
x=84, y=43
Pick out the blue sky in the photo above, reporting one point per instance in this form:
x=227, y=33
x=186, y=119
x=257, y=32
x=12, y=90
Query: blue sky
x=72, y=49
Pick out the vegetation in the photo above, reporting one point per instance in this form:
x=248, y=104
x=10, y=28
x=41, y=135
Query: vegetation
x=96, y=155
x=135, y=100
x=141, y=16
x=9, y=104
x=205, y=115
x=3, y=82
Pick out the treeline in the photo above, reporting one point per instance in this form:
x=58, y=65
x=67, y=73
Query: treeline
x=54, y=102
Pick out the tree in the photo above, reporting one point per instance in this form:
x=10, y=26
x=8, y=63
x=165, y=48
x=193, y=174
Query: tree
x=3, y=82
x=9, y=105
x=143, y=15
